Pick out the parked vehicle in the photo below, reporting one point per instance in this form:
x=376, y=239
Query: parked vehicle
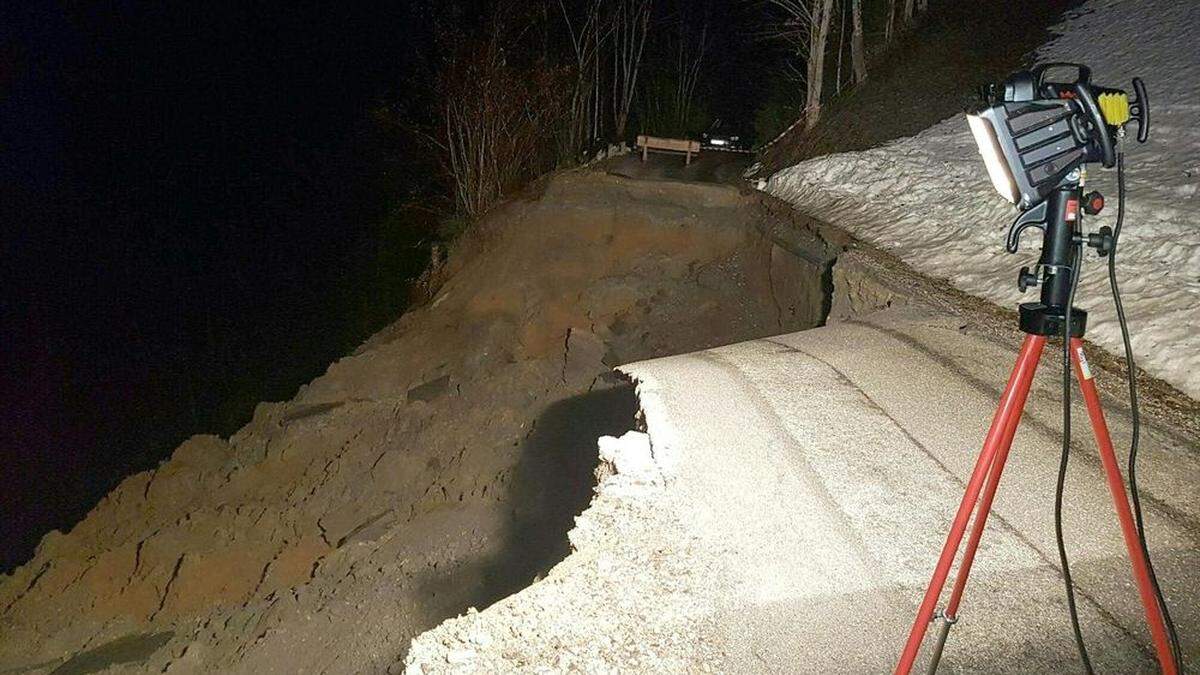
x=720, y=136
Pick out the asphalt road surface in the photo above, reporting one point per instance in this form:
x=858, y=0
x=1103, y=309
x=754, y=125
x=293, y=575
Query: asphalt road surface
x=829, y=463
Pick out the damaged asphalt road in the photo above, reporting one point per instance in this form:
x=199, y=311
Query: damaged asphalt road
x=801, y=489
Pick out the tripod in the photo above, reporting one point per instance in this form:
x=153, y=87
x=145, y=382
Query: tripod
x=1059, y=217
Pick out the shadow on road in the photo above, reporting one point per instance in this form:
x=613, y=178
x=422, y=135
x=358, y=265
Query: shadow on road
x=554, y=483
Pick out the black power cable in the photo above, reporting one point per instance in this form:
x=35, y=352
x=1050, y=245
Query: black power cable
x=1135, y=419
x=1077, y=263
x=1131, y=375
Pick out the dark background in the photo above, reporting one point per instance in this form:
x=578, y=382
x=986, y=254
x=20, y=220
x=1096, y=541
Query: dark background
x=199, y=211
x=194, y=202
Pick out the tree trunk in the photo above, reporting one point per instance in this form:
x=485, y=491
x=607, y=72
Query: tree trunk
x=631, y=24
x=587, y=34
x=691, y=48
x=818, y=36
x=909, y=12
x=890, y=27
x=858, y=58
x=841, y=48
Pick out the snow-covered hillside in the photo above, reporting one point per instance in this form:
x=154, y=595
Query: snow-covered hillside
x=928, y=199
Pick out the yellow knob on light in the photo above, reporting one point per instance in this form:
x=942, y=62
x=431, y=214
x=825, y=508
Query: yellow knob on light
x=1114, y=107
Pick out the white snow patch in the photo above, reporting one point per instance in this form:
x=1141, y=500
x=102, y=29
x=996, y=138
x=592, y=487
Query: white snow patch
x=665, y=443
x=928, y=199
x=631, y=457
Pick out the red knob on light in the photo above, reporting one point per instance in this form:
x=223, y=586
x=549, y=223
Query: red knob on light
x=1093, y=203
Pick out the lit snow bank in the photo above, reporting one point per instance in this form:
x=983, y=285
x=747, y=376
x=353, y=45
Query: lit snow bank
x=928, y=198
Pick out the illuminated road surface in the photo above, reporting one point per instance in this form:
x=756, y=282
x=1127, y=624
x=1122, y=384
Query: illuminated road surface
x=800, y=490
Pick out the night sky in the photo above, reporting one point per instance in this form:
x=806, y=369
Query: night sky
x=189, y=193
x=183, y=185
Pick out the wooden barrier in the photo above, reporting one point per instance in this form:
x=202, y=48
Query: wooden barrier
x=688, y=148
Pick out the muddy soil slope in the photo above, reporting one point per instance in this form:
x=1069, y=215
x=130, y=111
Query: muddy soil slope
x=439, y=467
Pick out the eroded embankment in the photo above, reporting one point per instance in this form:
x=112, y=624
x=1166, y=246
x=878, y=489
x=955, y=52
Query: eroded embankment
x=437, y=468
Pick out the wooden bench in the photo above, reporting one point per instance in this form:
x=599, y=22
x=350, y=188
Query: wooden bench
x=688, y=148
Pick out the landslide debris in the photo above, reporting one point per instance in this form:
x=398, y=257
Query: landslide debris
x=437, y=468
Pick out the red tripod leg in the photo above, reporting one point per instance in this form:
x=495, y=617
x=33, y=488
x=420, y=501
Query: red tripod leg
x=1009, y=410
x=950, y=615
x=1116, y=485
x=985, y=507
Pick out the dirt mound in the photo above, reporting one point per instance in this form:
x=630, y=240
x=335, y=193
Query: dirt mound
x=437, y=468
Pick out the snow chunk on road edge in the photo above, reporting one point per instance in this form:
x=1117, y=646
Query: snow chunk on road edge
x=629, y=457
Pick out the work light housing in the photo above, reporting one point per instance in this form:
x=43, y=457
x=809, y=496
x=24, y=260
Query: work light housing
x=1028, y=147
x=1034, y=134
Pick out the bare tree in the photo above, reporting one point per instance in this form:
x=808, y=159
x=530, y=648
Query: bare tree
x=498, y=118
x=909, y=12
x=805, y=25
x=588, y=33
x=841, y=48
x=818, y=36
x=689, y=56
x=630, y=26
x=668, y=96
x=889, y=29
x=858, y=57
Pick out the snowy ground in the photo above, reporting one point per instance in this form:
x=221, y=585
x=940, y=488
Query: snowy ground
x=928, y=198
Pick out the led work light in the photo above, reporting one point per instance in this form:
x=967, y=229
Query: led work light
x=1034, y=134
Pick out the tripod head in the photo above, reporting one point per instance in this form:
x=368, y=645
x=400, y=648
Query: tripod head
x=1037, y=134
